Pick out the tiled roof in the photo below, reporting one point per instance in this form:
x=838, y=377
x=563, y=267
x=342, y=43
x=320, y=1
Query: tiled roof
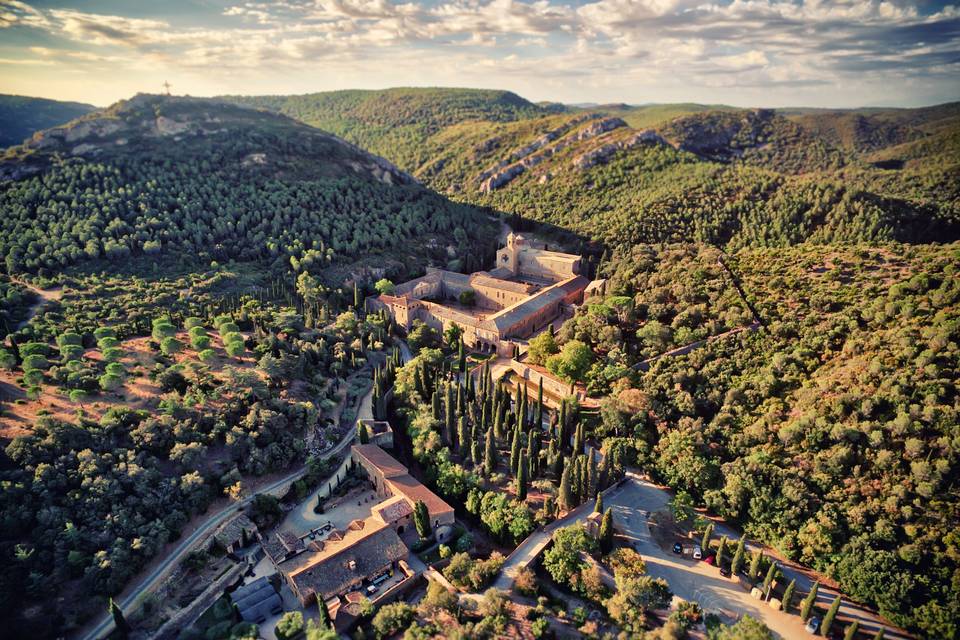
x=350, y=562
x=380, y=459
x=392, y=509
x=513, y=315
x=413, y=490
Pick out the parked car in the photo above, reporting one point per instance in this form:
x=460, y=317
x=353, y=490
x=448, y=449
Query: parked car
x=725, y=572
x=372, y=589
x=697, y=552
x=711, y=559
x=813, y=625
x=677, y=548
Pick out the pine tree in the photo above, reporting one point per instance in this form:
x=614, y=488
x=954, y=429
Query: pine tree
x=737, y=561
x=705, y=540
x=490, y=455
x=807, y=607
x=788, y=596
x=851, y=632
x=829, y=617
x=363, y=435
x=123, y=628
x=598, y=507
x=522, y=476
x=566, y=490
x=421, y=519
x=605, y=535
x=755, y=565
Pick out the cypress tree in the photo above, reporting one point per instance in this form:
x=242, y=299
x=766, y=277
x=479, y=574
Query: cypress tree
x=562, y=425
x=363, y=435
x=476, y=452
x=807, y=607
x=497, y=421
x=450, y=420
x=464, y=437
x=324, y=619
x=598, y=507
x=515, y=451
x=705, y=540
x=437, y=409
x=605, y=535
x=754, y=571
x=462, y=358
x=490, y=455
x=721, y=548
x=851, y=632
x=566, y=491
x=123, y=628
x=538, y=416
x=592, y=485
x=829, y=617
x=771, y=576
x=578, y=439
x=522, y=476
x=421, y=519
x=737, y=558
x=788, y=596
x=356, y=297
x=879, y=634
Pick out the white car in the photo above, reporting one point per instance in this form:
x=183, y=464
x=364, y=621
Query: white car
x=697, y=552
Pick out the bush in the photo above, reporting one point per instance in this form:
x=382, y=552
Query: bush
x=445, y=551
x=170, y=346
x=110, y=382
x=112, y=354
x=207, y=355
x=289, y=625
x=35, y=362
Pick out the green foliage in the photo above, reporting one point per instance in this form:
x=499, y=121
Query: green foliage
x=468, y=573
x=830, y=616
x=572, y=362
x=562, y=559
x=746, y=628
x=392, y=618
x=25, y=116
x=290, y=625
x=542, y=347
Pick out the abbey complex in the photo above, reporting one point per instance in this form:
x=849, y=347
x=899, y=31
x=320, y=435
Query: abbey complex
x=500, y=309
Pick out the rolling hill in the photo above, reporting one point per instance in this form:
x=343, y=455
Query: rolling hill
x=21, y=116
x=654, y=173
x=208, y=180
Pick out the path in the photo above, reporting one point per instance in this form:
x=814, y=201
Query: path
x=44, y=297
x=699, y=582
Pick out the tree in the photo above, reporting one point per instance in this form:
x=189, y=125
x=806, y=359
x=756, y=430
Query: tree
x=562, y=559
x=567, y=499
x=421, y=519
x=572, y=362
x=806, y=609
x=705, y=540
x=123, y=628
x=468, y=297
x=755, y=565
x=452, y=334
x=787, y=602
x=771, y=576
x=721, y=550
x=635, y=597
x=737, y=561
x=490, y=454
x=289, y=625
x=829, y=617
x=542, y=347
x=605, y=535
x=363, y=434
x=598, y=506
x=384, y=287
x=392, y=618
x=879, y=634
x=851, y=631
x=316, y=631
x=522, y=472
x=746, y=628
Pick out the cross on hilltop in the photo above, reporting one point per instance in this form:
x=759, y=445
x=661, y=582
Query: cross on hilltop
x=166, y=85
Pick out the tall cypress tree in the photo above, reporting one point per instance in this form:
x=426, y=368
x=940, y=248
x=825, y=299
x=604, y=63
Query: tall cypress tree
x=463, y=437
x=538, y=416
x=450, y=420
x=788, y=596
x=806, y=609
x=123, y=628
x=324, y=619
x=771, y=576
x=522, y=476
x=737, y=558
x=421, y=519
x=830, y=617
x=566, y=490
x=515, y=451
x=598, y=507
x=851, y=632
x=705, y=540
x=879, y=634
x=437, y=407
x=363, y=435
x=490, y=455
x=605, y=535
x=461, y=358
x=721, y=549
x=754, y=571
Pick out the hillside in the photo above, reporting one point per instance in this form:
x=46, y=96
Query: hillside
x=210, y=180
x=654, y=173
x=396, y=122
x=21, y=116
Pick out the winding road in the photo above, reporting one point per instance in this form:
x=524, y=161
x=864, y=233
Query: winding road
x=104, y=623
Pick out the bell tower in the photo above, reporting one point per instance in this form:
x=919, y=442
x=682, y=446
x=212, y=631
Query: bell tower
x=507, y=258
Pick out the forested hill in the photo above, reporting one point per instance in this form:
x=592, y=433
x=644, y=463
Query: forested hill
x=655, y=173
x=396, y=123
x=212, y=180
x=21, y=116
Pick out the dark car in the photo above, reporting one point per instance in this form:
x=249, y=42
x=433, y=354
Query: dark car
x=677, y=548
x=725, y=572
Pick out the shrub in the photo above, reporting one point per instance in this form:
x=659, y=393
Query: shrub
x=35, y=361
x=392, y=618
x=289, y=625
x=169, y=346
x=104, y=332
x=445, y=551
x=110, y=382
x=112, y=355
x=207, y=355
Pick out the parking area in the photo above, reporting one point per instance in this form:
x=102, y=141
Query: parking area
x=338, y=514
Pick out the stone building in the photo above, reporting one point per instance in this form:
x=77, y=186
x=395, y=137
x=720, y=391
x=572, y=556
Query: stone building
x=529, y=288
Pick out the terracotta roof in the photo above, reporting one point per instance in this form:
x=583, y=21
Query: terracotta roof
x=501, y=284
x=392, y=509
x=413, y=490
x=505, y=320
x=383, y=461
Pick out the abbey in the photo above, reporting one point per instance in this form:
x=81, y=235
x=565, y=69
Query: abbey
x=498, y=309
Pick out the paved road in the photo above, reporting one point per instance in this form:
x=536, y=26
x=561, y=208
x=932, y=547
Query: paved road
x=702, y=583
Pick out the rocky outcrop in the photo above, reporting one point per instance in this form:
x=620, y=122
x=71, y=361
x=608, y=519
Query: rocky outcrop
x=602, y=153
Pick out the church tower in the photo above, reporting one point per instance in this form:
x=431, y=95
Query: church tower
x=508, y=257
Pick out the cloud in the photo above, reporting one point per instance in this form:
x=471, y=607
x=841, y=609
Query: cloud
x=697, y=43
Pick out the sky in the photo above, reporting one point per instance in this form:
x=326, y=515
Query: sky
x=760, y=53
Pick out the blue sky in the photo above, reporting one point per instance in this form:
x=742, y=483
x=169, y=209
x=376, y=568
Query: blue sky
x=839, y=53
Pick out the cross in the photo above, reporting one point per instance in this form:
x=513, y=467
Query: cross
x=166, y=85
